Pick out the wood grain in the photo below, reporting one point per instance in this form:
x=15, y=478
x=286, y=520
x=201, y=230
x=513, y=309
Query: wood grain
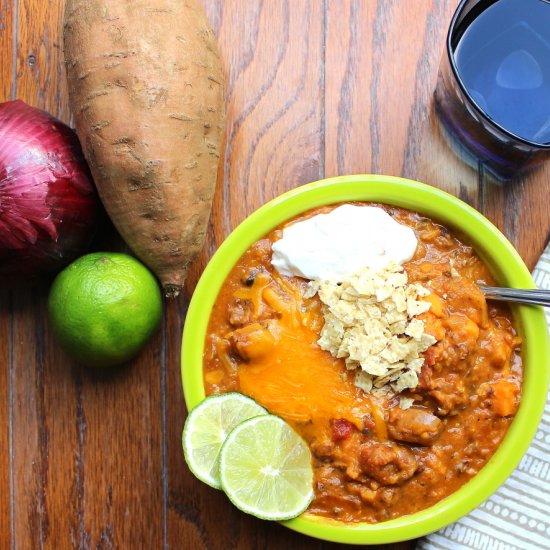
x=315, y=88
x=44, y=433
x=7, y=51
x=6, y=461
x=40, y=68
x=7, y=68
x=120, y=454
x=520, y=210
x=379, y=115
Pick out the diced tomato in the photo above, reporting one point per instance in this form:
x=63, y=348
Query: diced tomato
x=368, y=422
x=430, y=357
x=341, y=429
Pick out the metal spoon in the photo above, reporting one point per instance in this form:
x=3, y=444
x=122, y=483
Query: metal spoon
x=536, y=297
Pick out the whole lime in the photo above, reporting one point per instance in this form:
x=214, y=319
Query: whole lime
x=104, y=307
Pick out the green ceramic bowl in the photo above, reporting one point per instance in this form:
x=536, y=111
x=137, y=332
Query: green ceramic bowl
x=505, y=264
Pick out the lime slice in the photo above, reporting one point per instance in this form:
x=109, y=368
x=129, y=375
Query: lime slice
x=265, y=469
x=206, y=428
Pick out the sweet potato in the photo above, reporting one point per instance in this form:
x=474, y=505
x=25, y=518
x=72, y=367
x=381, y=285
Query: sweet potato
x=146, y=89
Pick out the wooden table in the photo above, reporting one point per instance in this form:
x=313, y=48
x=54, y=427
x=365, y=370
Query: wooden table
x=315, y=88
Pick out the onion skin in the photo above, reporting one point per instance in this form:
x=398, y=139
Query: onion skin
x=48, y=202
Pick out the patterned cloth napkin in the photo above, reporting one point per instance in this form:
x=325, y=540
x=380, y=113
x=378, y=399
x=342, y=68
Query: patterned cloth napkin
x=517, y=516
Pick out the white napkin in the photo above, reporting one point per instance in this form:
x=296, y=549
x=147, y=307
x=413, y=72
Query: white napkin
x=517, y=516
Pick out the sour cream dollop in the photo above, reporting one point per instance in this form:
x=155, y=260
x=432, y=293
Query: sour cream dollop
x=342, y=242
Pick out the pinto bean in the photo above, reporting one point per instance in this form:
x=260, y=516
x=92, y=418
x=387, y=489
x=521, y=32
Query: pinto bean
x=414, y=425
x=239, y=313
x=387, y=463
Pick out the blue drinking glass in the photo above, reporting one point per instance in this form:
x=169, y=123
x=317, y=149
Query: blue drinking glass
x=493, y=89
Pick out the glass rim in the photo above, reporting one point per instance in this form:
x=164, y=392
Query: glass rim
x=472, y=101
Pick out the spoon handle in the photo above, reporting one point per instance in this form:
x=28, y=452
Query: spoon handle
x=535, y=297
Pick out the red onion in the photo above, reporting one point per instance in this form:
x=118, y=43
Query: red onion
x=48, y=203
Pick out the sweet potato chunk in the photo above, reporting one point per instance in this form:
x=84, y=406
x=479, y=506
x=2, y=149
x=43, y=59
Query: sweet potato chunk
x=252, y=341
x=502, y=397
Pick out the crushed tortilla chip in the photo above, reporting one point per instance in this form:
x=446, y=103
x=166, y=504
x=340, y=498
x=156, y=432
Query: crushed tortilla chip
x=405, y=403
x=371, y=322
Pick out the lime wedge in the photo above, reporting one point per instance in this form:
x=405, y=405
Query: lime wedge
x=265, y=469
x=206, y=428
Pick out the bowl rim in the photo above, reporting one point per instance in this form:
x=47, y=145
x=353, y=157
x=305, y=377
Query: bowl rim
x=495, y=250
